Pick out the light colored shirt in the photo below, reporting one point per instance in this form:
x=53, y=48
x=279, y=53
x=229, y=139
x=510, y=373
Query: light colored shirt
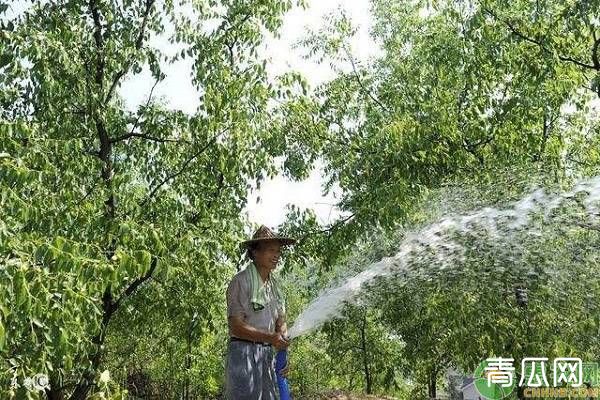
x=239, y=295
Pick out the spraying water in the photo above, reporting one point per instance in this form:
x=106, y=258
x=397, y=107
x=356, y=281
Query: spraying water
x=436, y=241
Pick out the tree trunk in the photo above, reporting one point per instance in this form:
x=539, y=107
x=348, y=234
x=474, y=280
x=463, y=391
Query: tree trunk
x=84, y=385
x=521, y=392
x=188, y=364
x=86, y=381
x=53, y=393
x=363, y=346
x=432, y=384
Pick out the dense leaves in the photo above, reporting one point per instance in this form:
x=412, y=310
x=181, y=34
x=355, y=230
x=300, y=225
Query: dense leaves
x=490, y=99
x=99, y=202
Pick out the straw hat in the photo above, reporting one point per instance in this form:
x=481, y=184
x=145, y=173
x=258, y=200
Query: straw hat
x=264, y=234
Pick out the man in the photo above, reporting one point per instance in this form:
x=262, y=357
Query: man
x=256, y=318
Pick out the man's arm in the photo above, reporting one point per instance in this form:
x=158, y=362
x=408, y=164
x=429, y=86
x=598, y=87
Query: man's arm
x=238, y=327
x=242, y=330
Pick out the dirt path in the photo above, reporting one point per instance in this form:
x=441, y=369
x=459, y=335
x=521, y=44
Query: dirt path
x=339, y=395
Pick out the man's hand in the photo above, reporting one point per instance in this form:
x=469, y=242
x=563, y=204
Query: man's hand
x=278, y=341
x=285, y=371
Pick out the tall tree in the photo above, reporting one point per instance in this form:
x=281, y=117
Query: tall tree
x=485, y=94
x=460, y=89
x=98, y=200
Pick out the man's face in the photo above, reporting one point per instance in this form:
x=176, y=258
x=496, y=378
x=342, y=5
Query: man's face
x=267, y=254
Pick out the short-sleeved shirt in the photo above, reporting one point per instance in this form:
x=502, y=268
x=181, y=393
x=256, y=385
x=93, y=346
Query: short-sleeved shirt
x=239, y=295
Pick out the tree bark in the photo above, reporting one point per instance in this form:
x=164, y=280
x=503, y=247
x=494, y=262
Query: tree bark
x=188, y=361
x=109, y=305
x=55, y=392
x=363, y=346
x=432, y=384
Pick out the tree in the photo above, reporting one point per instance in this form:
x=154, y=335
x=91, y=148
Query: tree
x=461, y=89
x=488, y=97
x=99, y=202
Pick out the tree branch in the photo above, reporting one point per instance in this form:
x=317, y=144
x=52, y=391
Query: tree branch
x=138, y=45
x=137, y=120
x=183, y=167
x=136, y=283
x=99, y=77
x=547, y=126
x=539, y=43
x=148, y=137
x=220, y=185
x=588, y=226
x=105, y=146
x=132, y=133
x=245, y=18
x=360, y=82
x=472, y=147
x=327, y=230
x=595, y=47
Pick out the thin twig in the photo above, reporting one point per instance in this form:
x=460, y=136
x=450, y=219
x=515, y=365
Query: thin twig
x=138, y=45
x=137, y=120
x=537, y=42
x=360, y=82
x=148, y=137
x=183, y=167
x=327, y=230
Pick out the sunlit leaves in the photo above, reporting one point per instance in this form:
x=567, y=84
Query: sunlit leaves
x=97, y=198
